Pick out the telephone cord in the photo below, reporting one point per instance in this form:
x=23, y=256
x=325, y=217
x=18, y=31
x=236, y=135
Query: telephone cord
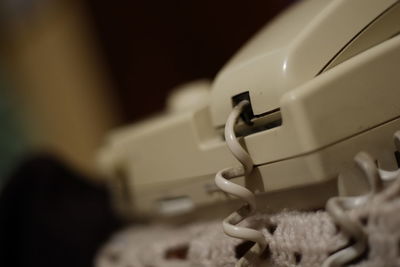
x=222, y=180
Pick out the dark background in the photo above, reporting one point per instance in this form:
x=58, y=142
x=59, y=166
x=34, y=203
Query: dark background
x=152, y=46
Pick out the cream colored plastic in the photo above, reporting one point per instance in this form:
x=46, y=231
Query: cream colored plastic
x=326, y=120
x=190, y=96
x=290, y=51
x=382, y=28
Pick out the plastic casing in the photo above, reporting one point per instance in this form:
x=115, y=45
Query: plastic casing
x=332, y=103
x=290, y=51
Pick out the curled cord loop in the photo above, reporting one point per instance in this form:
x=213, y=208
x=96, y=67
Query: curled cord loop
x=222, y=181
x=337, y=207
x=233, y=144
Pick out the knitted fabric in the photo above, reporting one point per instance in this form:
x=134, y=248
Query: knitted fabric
x=294, y=239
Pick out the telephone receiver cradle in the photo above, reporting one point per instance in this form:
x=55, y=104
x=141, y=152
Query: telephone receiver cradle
x=278, y=128
x=322, y=84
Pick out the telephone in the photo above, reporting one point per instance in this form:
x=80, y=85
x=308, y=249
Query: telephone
x=321, y=83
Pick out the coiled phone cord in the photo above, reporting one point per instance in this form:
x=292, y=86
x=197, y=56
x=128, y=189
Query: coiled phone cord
x=222, y=181
x=337, y=207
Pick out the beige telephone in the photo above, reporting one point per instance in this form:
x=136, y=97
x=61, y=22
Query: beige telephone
x=323, y=83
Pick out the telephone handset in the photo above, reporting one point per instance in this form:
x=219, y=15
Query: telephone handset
x=322, y=84
x=307, y=40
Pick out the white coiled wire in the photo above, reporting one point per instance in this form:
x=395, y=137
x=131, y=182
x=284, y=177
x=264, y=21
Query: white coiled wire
x=337, y=207
x=222, y=181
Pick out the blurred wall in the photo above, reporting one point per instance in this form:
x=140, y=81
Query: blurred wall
x=59, y=78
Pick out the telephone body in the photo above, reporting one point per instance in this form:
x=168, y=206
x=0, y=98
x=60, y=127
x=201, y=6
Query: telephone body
x=323, y=83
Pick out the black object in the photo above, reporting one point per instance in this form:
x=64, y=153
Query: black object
x=52, y=216
x=247, y=113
